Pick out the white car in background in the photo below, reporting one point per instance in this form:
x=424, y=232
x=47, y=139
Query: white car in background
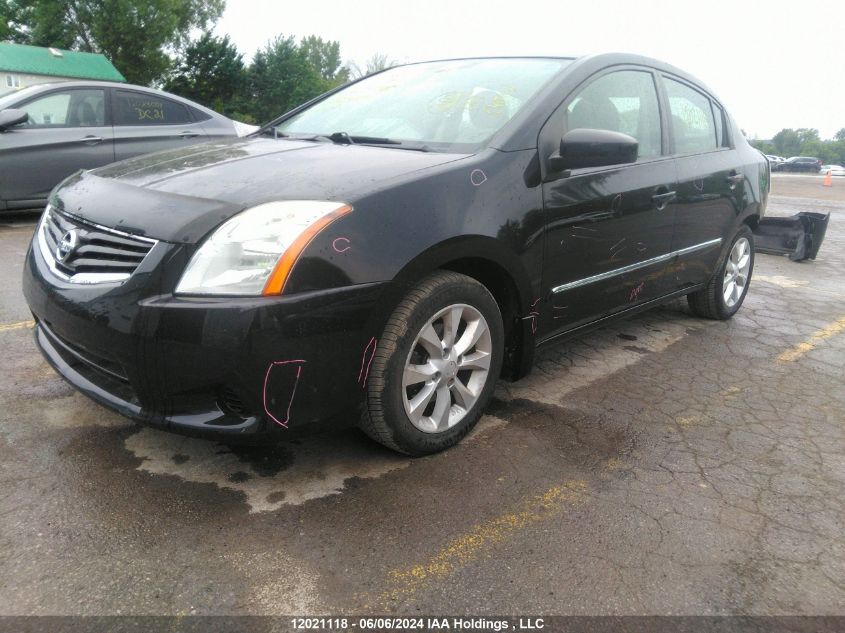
x=835, y=170
x=775, y=161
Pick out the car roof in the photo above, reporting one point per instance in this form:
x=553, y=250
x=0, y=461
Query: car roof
x=599, y=59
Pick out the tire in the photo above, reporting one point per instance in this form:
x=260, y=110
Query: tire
x=406, y=369
x=710, y=302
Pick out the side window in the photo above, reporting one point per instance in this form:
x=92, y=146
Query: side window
x=693, y=126
x=69, y=108
x=721, y=137
x=135, y=108
x=198, y=115
x=623, y=101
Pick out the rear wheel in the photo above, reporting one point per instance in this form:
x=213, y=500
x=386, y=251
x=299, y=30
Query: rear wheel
x=726, y=290
x=435, y=366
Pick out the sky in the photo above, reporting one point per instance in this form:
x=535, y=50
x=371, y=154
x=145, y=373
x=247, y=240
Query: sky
x=774, y=64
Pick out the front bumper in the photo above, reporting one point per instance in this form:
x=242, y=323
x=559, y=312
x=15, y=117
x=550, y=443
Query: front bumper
x=207, y=366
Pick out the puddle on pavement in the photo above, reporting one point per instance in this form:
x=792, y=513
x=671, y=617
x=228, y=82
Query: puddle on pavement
x=282, y=474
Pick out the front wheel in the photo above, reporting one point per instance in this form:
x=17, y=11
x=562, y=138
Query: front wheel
x=435, y=366
x=726, y=290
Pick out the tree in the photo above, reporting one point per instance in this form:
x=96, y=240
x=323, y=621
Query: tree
x=764, y=146
x=787, y=142
x=820, y=149
x=281, y=77
x=135, y=35
x=324, y=57
x=376, y=63
x=806, y=135
x=840, y=135
x=13, y=18
x=211, y=72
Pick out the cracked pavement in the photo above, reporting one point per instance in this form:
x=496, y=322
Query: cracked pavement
x=663, y=465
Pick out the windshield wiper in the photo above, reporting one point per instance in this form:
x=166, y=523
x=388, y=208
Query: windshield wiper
x=344, y=138
x=274, y=132
x=340, y=138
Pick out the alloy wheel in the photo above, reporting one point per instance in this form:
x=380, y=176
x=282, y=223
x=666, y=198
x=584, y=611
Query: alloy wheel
x=736, y=272
x=447, y=368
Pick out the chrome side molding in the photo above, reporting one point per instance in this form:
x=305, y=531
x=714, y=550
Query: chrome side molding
x=632, y=267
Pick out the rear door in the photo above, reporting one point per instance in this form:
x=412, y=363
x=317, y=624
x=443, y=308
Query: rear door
x=146, y=122
x=711, y=180
x=608, y=229
x=67, y=130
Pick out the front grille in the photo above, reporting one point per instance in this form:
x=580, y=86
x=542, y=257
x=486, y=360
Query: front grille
x=79, y=251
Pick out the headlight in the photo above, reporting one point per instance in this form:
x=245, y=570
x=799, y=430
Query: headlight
x=253, y=253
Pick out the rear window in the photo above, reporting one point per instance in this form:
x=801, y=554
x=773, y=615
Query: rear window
x=199, y=115
x=693, y=125
x=136, y=108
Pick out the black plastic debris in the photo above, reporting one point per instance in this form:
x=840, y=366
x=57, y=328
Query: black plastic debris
x=798, y=236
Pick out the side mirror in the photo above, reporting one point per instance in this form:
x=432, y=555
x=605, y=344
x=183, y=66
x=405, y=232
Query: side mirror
x=593, y=148
x=11, y=117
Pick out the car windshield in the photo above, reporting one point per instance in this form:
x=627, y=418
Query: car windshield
x=438, y=106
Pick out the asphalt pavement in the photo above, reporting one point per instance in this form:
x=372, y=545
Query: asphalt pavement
x=664, y=465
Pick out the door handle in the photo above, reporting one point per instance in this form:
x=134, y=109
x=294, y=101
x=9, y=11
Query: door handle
x=734, y=179
x=660, y=200
x=91, y=140
x=187, y=134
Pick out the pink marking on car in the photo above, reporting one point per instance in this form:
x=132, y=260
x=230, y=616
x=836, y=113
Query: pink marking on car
x=299, y=362
x=635, y=292
x=477, y=177
x=365, y=363
x=533, y=315
x=344, y=241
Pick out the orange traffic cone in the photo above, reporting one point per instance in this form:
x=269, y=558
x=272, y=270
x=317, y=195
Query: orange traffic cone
x=828, y=179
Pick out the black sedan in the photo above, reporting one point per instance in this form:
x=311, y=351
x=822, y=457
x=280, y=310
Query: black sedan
x=387, y=251
x=801, y=163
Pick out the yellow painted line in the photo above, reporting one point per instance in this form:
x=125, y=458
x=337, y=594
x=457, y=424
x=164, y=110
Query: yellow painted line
x=404, y=583
x=811, y=343
x=20, y=325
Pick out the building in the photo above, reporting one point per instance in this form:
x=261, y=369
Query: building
x=22, y=66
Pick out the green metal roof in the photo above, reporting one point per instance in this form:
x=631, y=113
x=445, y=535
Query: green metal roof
x=34, y=60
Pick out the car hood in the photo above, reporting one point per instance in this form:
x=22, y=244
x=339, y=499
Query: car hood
x=180, y=195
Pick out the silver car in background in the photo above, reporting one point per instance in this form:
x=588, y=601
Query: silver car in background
x=50, y=131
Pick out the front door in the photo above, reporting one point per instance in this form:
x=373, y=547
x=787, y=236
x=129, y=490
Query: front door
x=609, y=229
x=66, y=131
